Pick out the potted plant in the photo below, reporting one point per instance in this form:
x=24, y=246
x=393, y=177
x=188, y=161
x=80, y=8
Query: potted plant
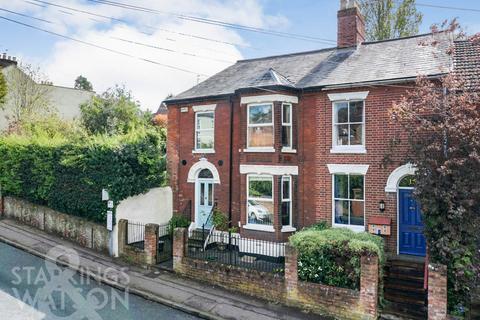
x=220, y=222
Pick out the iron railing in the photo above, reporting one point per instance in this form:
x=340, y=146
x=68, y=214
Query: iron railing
x=135, y=234
x=165, y=243
x=229, y=248
x=206, y=224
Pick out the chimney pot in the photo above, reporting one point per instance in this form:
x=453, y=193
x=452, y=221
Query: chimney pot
x=347, y=4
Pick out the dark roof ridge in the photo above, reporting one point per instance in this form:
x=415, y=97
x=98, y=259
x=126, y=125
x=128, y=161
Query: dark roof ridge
x=402, y=38
x=292, y=54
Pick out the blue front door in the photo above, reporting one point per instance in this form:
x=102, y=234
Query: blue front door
x=204, y=203
x=411, y=238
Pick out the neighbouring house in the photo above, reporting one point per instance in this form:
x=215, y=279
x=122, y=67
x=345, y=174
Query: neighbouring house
x=287, y=141
x=66, y=101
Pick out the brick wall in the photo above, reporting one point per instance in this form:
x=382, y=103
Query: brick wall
x=142, y=257
x=437, y=292
x=287, y=289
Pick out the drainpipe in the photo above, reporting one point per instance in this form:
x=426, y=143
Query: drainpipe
x=230, y=186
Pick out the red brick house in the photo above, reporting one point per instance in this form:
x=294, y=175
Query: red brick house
x=287, y=141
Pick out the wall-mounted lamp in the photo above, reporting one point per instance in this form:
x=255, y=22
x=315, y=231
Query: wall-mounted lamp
x=381, y=206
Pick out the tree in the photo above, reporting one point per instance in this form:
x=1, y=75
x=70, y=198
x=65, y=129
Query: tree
x=3, y=90
x=441, y=121
x=114, y=112
x=388, y=19
x=28, y=95
x=82, y=83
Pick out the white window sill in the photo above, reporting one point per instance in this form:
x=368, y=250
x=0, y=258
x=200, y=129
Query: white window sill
x=354, y=228
x=288, y=150
x=259, y=227
x=288, y=229
x=348, y=149
x=259, y=150
x=203, y=151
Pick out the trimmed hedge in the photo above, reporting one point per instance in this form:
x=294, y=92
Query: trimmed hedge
x=332, y=256
x=69, y=176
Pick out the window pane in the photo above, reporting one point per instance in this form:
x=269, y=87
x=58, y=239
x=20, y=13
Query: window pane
x=260, y=188
x=286, y=137
x=260, y=114
x=260, y=212
x=356, y=187
x=286, y=113
x=341, y=112
x=205, y=140
x=210, y=194
x=408, y=181
x=356, y=133
x=341, y=211
x=356, y=111
x=285, y=213
x=202, y=194
x=356, y=212
x=205, y=120
x=260, y=137
x=286, y=188
x=205, y=174
x=341, y=134
x=341, y=186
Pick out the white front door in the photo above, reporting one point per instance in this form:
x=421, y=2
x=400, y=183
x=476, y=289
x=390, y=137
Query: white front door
x=204, y=202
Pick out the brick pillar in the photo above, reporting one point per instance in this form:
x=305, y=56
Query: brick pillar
x=151, y=243
x=291, y=272
x=369, y=285
x=437, y=292
x=122, y=236
x=179, y=244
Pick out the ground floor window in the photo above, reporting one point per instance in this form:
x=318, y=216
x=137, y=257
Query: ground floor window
x=348, y=199
x=286, y=208
x=260, y=199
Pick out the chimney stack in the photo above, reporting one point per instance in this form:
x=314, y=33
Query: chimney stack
x=351, y=24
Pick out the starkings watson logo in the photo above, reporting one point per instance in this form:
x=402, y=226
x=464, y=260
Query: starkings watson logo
x=60, y=293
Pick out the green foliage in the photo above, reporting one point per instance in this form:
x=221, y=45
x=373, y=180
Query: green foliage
x=220, y=220
x=332, y=256
x=82, y=83
x=388, y=19
x=322, y=225
x=178, y=221
x=114, y=112
x=69, y=174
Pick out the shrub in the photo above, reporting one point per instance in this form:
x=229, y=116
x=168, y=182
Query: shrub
x=69, y=175
x=178, y=221
x=332, y=256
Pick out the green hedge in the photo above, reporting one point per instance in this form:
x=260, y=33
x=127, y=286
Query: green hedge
x=332, y=256
x=68, y=176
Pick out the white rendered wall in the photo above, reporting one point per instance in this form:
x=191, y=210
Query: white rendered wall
x=155, y=206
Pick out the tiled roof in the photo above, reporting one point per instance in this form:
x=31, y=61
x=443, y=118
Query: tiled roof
x=466, y=61
x=372, y=61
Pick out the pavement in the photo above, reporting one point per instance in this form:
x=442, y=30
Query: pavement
x=196, y=298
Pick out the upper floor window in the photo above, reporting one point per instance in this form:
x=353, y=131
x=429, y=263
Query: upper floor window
x=260, y=131
x=287, y=126
x=204, y=130
x=348, y=123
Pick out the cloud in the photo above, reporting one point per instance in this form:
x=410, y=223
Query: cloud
x=150, y=83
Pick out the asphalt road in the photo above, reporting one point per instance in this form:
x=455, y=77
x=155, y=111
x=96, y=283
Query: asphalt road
x=32, y=289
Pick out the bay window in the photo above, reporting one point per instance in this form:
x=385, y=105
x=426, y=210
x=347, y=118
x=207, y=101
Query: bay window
x=348, y=200
x=286, y=201
x=260, y=199
x=204, y=131
x=260, y=134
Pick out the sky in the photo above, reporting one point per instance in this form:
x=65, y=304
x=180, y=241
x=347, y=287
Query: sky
x=167, y=50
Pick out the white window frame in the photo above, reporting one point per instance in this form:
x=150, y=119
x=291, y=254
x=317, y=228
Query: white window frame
x=355, y=228
x=272, y=124
x=253, y=226
x=289, y=124
x=288, y=227
x=197, y=149
x=356, y=148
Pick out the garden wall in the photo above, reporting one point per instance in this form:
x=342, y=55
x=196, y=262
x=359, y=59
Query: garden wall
x=78, y=230
x=285, y=288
